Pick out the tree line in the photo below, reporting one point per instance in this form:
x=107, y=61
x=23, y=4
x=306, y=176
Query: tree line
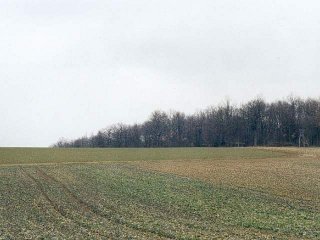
x=287, y=122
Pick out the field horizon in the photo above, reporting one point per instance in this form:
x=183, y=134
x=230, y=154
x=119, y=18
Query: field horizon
x=48, y=155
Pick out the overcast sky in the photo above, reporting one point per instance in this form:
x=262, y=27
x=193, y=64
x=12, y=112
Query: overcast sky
x=72, y=67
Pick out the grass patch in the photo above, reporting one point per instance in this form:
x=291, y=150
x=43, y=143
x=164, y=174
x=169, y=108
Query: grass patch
x=69, y=155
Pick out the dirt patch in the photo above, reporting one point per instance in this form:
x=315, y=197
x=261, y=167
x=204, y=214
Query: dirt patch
x=293, y=178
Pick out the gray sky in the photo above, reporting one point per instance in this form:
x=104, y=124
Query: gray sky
x=71, y=67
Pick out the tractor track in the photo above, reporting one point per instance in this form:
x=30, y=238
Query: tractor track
x=83, y=204
x=89, y=208
x=56, y=206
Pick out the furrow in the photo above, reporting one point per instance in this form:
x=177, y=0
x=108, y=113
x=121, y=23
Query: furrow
x=98, y=212
x=56, y=206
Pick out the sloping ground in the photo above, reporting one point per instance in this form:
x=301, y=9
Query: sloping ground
x=294, y=179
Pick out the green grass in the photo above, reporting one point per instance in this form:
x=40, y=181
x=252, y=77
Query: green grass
x=54, y=155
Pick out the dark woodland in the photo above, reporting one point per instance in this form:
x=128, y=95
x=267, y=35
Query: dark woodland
x=290, y=122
